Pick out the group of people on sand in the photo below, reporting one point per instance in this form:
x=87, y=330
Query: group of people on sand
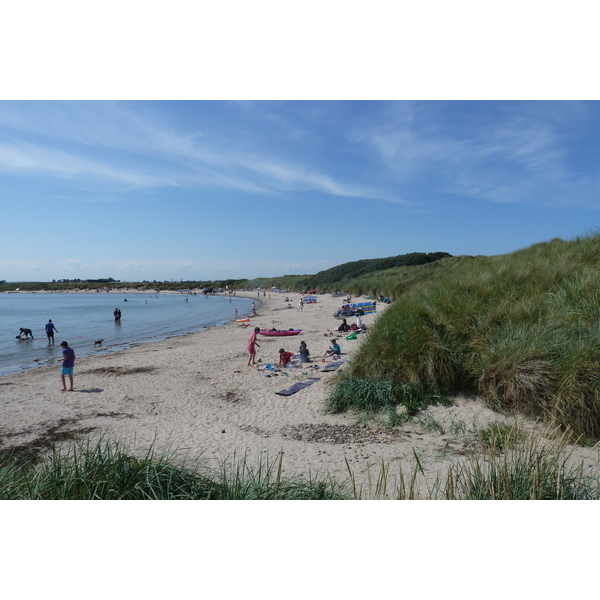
x=334, y=351
x=344, y=327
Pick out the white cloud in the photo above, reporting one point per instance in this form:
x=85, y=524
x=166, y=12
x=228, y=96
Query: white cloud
x=517, y=152
x=71, y=141
x=37, y=161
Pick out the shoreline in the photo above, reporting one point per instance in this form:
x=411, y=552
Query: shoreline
x=37, y=363
x=195, y=394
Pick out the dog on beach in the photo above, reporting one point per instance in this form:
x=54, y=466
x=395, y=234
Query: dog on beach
x=98, y=342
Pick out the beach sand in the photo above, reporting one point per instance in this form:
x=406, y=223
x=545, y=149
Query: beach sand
x=196, y=394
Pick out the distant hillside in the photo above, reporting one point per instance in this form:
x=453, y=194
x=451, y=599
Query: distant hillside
x=352, y=270
x=347, y=275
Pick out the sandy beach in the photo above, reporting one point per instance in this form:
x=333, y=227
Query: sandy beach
x=196, y=394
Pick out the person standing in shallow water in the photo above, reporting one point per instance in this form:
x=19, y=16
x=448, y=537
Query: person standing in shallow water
x=50, y=329
x=252, y=343
x=68, y=363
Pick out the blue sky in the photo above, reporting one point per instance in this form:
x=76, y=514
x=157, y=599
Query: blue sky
x=170, y=190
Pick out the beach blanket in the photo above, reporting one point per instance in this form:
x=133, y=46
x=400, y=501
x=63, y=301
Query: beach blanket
x=331, y=367
x=297, y=387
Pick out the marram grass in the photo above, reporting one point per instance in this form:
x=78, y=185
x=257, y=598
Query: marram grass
x=107, y=471
x=521, y=331
x=372, y=395
x=507, y=465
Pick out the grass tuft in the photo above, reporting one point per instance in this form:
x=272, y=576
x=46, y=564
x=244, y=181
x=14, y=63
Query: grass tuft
x=107, y=471
x=371, y=395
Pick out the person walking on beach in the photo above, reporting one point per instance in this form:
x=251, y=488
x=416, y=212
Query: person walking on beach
x=68, y=362
x=300, y=305
x=50, y=329
x=252, y=343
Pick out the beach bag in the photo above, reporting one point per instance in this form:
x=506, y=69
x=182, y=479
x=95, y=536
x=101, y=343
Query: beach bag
x=352, y=336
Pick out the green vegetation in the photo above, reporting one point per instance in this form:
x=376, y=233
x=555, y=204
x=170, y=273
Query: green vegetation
x=377, y=395
x=538, y=466
x=519, y=330
x=109, y=472
x=533, y=469
x=352, y=270
x=498, y=435
x=357, y=277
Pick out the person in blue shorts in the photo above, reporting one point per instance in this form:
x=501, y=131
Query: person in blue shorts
x=68, y=362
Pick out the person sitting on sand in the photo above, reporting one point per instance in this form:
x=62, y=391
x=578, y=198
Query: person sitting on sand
x=334, y=351
x=24, y=332
x=344, y=326
x=304, y=353
x=284, y=357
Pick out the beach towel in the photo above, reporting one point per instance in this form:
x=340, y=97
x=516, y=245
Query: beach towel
x=331, y=367
x=297, y=387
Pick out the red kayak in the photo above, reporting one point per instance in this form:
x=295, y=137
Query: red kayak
x=280, y=333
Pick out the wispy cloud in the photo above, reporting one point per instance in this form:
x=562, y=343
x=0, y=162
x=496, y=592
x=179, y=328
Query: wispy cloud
x=123, y=146
x=28, y=159
x=511, y=152
x=515, y=153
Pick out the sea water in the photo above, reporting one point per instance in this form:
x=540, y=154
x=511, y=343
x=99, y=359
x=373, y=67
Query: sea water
x=82, y=318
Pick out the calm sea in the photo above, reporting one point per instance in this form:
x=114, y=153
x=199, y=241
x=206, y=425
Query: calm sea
x=83, y=318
